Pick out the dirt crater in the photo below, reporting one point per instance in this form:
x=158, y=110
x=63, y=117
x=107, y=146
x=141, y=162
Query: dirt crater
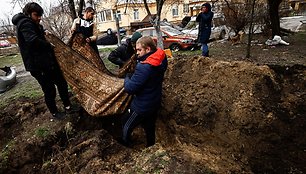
x=217, y=117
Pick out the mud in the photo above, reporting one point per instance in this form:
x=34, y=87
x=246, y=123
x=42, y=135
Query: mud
x=217, y=117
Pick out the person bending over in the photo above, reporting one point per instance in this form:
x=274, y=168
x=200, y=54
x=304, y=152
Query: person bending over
x=145, y=84
x=125, y=51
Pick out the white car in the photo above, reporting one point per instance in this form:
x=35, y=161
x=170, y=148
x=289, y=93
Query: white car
x=218, y=29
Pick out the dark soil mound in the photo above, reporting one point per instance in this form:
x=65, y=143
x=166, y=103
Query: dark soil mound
x=217, y=117
x=235, y=116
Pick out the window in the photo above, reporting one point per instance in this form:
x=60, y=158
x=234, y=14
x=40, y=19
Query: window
x=105, y=15
x=108, y=15
x=136, y=14
x=186, y=8
x=147, y=33
x=175, y=10
x=101, y=16
x=118, y=15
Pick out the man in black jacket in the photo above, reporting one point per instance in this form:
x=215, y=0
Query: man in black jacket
x=125, y=51
x=38, y=57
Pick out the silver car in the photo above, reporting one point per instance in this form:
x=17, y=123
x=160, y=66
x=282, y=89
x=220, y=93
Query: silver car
x=218, y=29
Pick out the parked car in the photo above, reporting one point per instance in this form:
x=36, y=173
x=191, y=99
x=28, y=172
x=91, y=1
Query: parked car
x=218, y=29
x=4, y=43
x=110, y=38
x=172, y=38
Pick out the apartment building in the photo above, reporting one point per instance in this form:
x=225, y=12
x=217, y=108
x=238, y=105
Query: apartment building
x=132, y=15
x=298, y=6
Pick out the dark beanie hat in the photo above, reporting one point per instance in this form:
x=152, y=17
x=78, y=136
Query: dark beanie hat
x=135, y=36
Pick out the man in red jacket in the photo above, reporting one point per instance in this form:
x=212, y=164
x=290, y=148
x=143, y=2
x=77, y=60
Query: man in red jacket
x=145, y=85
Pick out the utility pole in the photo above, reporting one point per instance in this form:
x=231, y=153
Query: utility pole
x=118, y=27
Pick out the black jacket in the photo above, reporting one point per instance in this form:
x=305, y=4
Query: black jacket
x=122, y=54
x=37, y=53
x=205, y=24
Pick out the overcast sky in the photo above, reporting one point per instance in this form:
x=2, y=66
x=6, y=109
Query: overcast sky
x=8, y=10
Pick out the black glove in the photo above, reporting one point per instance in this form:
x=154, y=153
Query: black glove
x=128, y=75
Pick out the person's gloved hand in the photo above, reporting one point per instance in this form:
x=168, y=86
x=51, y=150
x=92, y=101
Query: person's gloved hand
x=128, y=75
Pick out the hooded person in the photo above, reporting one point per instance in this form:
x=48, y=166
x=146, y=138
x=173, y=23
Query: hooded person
x=39, y=59
x=125, y=51
x=205, y=23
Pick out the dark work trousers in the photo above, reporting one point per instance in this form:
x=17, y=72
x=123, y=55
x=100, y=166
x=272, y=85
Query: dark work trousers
x=47, y=80
x=95, y=47
x=147, y=120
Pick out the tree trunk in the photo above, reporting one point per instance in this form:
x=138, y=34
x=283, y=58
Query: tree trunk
x=118, y=28
x=72, y=9
x=159, y=6
x=274, y=16
x=160, y=43
x=80, y=10
x=248, y=55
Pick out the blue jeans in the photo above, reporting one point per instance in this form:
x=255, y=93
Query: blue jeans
x=204, y=49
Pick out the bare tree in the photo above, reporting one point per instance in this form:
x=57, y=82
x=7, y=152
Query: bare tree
x=81, y=6
x=7, y=26
x=274, y=16
x=72, y=9
x=248, y=55
x=58, y=21
x=155, y=20
x=238, y=15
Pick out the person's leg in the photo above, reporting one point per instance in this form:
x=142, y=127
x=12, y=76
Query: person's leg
x=48, y=88
x=204, y=49
x=95, y=47
x=62, y=86
x=149, y=126
x=130, y=120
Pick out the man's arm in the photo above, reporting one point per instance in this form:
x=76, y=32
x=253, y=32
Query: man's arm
x=94, y=37
x=30, y=36
x=74, y=24
x=135, y=83
x=116, y=55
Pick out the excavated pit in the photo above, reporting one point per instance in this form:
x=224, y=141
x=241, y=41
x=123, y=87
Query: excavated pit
x=217, y=117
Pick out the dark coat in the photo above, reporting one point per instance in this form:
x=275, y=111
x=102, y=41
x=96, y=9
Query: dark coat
x=146, y=82
x=37, y=53
x=205, y=24
x=122, y=53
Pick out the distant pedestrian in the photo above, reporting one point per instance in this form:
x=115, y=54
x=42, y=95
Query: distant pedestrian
x=39, y=58
x=205, y=22
x=145, y=84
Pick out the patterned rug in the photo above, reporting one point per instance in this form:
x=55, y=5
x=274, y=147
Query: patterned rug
x=98, y=90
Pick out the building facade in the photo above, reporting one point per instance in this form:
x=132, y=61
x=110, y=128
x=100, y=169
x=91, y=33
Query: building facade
x=133, y=15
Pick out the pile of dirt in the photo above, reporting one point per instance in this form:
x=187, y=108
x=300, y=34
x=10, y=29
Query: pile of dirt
x=236, y=116
x=219, y=115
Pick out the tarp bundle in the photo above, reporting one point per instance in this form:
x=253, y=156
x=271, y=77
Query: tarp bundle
x=99, y=91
